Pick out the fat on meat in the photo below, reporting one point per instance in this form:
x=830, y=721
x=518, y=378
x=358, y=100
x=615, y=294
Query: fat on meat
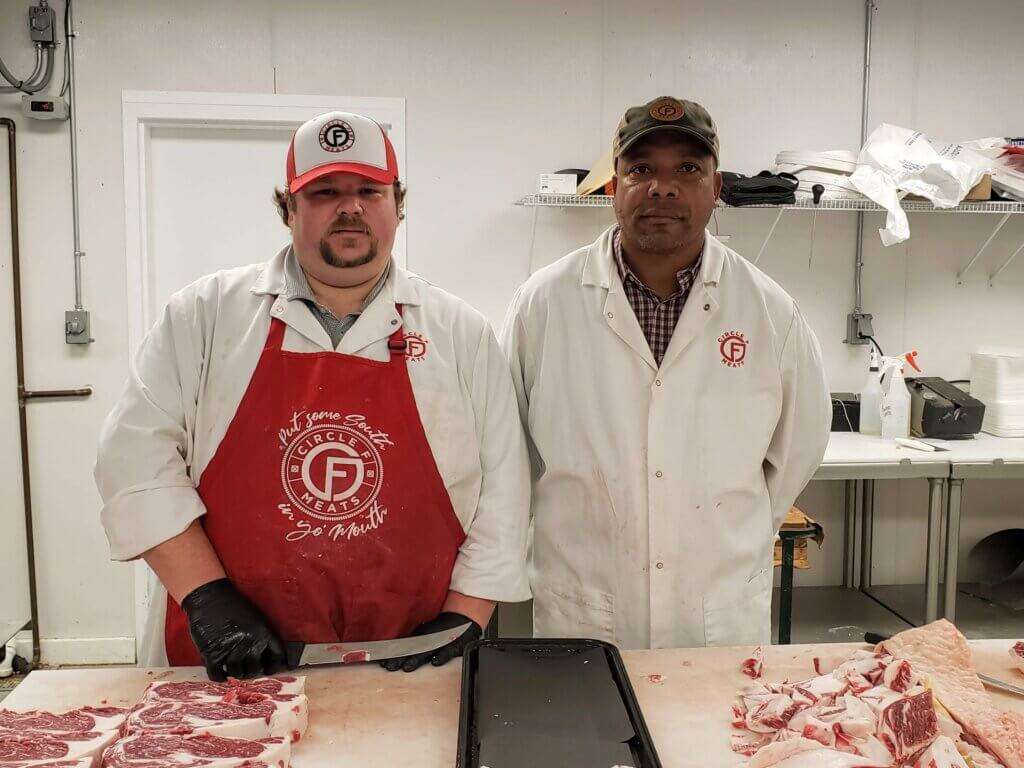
x=939, y=652
x=156, y=750
x=941, y=753
x=822, y=757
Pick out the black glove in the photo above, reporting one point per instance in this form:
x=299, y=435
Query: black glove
x=232, y=636
x=445, y=653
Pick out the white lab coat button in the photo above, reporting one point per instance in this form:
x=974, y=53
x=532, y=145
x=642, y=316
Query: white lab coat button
x=611, y=315
x=657, y=382
x=707, y=307
x=394, y=322
x=659, y=566
x=658, y=473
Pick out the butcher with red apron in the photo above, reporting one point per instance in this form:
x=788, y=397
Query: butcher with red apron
x=323, y=513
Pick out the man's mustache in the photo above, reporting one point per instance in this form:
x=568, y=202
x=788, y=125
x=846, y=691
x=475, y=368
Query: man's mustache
x=348, y=224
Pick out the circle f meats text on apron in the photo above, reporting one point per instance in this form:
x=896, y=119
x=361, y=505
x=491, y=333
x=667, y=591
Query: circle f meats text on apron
x=332, y=470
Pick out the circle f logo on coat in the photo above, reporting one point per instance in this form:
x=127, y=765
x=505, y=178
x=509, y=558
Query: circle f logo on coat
x=332, y=471
x=733, y=347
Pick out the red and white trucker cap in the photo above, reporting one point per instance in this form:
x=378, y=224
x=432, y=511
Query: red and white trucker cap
x=340, y=141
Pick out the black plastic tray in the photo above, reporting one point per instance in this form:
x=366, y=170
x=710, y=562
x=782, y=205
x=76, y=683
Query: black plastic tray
x=539, y=703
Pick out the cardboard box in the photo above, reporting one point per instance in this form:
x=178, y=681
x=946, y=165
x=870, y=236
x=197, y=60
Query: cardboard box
x=982, y=190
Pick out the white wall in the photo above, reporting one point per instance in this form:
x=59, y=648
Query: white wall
x=498, y=92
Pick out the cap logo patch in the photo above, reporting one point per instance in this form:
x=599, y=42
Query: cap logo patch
x=337, y=136
x=667, y=110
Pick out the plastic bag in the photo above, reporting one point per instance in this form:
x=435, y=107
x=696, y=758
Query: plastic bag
x=897, y=161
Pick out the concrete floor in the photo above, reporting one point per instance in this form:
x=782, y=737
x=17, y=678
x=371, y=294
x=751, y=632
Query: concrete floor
x=978, y=619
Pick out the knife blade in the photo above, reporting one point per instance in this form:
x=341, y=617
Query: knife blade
x=310, y=654
x=874, y=638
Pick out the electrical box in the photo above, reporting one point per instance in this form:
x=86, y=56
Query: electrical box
x=41, y=23
x=44, y=107
x=76, y=327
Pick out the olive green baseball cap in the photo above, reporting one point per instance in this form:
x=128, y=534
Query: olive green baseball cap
x=666, y=113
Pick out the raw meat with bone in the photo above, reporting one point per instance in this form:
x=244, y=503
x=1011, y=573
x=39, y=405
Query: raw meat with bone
x=941, y=653
x=36, y=747
x=82, y=719
x=1017, y=654
x=253, y=709
x=908, y=725
x=282, y=688
x=153, y=750
x=753, y=665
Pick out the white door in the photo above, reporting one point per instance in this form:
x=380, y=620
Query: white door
x=200, y=171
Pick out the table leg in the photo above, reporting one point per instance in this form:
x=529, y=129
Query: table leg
x=867, y=528
x=849, y=532
x=931, y=607
x=786, y=592
x=954, y=500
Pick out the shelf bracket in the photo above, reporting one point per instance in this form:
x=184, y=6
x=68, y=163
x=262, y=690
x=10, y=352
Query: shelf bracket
x=771, y=232
x=969, y=264
x=1008, y=262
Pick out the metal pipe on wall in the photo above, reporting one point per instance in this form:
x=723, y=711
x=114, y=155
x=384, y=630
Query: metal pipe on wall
x=26, y=395
x=858, y=264
x=73, y=130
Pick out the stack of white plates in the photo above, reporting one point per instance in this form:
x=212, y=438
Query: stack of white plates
x=997, y=379
x=831, y=169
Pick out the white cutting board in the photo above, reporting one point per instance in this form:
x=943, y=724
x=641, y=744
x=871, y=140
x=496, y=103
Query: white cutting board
x=361, y=716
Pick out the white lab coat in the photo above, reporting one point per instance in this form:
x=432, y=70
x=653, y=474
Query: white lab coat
x=658, y=492
x=194, y=366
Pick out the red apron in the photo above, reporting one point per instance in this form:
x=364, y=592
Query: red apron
x=324, y=502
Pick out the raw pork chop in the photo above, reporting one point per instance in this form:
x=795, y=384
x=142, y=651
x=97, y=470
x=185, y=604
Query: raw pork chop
x=85, y=762
x=252, y=709
x=33, y=748
x=155, y=750
x=941, y=653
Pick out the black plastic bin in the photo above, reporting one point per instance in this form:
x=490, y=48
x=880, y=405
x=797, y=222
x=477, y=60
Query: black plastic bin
x=549, y=704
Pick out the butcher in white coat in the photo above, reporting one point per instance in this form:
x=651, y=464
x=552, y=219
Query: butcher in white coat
x=319, y=448
x=675, y=406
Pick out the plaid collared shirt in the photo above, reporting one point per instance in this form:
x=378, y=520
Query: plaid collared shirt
x=296, y=286
x=657, y=318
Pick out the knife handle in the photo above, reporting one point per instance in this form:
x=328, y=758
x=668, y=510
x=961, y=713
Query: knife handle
x=293, y=653
x=874, y=638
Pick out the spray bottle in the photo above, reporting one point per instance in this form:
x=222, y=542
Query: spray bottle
x=895, y=404
x=871, y=398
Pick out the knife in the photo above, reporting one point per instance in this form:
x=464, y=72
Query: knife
x=301, y=654
x=992, y=682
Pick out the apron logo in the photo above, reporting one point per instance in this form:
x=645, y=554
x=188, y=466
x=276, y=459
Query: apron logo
x=336, y=136
x=332, y=470
x=733, y=346
x=415, y=346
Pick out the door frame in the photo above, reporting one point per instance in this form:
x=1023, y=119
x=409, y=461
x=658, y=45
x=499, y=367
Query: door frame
x=144, y=110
